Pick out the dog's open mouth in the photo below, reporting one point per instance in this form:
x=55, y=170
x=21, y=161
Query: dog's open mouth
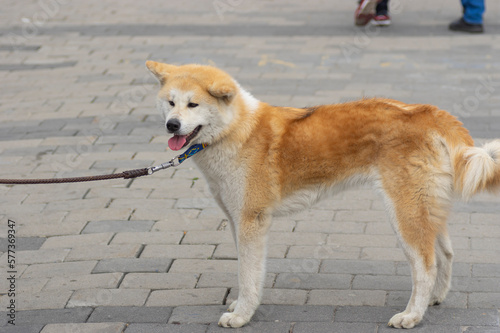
x=180, y=141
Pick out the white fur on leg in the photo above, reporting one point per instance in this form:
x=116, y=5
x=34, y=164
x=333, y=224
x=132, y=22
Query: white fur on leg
x=444, y=256
x=423, y=279
x=251, y=272
x=423, y=284
x=232, y=306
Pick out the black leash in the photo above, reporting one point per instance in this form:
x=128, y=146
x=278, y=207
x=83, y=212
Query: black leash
x=129, y=174
x=125, y=174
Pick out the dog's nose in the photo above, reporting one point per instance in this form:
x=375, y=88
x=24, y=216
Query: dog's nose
x=173, y=125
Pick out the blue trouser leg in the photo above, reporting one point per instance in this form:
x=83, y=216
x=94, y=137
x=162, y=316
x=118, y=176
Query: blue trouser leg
x=473, y=11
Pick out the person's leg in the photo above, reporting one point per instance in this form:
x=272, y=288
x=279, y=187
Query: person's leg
x=365, y=12
x=383, y=7
x=472, y=19
x=473, y=11
x=382, y=17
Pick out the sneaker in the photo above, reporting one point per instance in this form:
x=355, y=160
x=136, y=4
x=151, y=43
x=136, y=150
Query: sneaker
x=365, y=12
x=461, y=25
x=381, y=20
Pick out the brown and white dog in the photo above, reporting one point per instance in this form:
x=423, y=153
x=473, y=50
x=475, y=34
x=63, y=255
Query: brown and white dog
x=264, y=160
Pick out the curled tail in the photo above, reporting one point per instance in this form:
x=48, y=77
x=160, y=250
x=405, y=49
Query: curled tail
x=477, y=169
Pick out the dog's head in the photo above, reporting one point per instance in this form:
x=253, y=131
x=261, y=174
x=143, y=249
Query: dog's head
x=196, y=102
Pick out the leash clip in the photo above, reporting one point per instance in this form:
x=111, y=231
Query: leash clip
x=179, y=158
x=171, y=163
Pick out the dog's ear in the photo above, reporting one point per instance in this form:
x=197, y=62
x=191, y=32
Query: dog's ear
x=224, y=90
x=160, y=70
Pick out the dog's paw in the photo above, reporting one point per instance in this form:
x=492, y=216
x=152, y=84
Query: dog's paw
x=232, y=306
x=231, y=319
x=405, y=320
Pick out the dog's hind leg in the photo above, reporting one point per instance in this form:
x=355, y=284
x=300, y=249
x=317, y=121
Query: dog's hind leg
x=418, y=198
x=252, y=239
x=418, y=204
x=444, y=257
x=417, y=240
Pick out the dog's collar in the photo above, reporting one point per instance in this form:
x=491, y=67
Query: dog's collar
x=179, y=158
x=191, y=151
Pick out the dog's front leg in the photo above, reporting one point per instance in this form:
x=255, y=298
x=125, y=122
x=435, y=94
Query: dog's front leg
x=252, y=239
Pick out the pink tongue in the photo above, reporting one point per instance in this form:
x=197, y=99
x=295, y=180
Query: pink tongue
x=177, y=142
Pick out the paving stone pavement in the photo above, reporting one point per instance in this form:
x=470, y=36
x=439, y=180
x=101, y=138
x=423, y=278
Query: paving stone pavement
x=155, y=254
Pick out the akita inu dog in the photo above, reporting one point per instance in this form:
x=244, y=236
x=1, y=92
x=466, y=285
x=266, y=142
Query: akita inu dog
x=263, y=160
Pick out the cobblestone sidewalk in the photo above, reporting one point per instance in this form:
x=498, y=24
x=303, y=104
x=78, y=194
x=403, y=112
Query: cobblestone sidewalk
x=155, y=254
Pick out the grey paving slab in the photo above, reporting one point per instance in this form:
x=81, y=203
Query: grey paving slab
x=307, y=265
x=323, y=251
x=178, y=251
x=288, y=313
x=458, y=269
x=159, y=280
x=100, y=252
x=207, y=237
x=435, y=316
x=326, y=327
x=347, y=297
x=477, y=207
x=24, y=243
x=200, y=266
x=42, y=317
x=37, y=67
x=59, y=269
x=313, y=281
x=23, y=329
x=148, y=238
x=85, y=328
x=108, y=297
x=426, y=328
x=42, y=135
x=358, y=267
x=106, y=165
x=105, y=280
x=166, y=328
x=41, y=256
x=198, y=296
x=254, y=327
x=275, y=296
x=228, y=280
x=134, y=314
x=380, y=282
x=197, y=314
x=43, y=300
x=117, y=226
x=132, y=265
x=484, y=300
x=454, y=299
x=481, y=329
x=487, y=270
x=476, y=284
x=71, y=241
x=23, y=48
x=366, y=314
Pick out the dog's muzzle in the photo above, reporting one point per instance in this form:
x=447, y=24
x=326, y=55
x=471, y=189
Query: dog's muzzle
x=173, y=125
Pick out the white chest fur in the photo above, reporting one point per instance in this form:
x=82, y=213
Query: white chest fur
x=225, y=177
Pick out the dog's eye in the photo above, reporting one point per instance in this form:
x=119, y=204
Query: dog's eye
x=171, y=103
x=192, y=105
